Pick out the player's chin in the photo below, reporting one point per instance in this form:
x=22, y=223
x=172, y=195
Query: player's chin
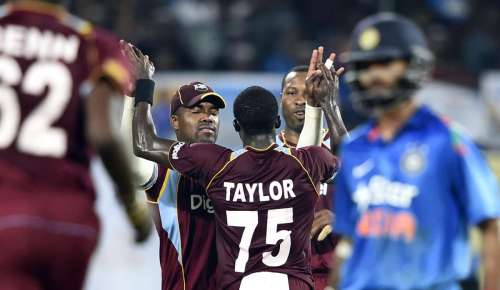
x=298, y=124
x=206, y=137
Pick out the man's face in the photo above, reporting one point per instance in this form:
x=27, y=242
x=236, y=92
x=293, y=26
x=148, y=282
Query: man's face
x=379, y=77
x=198, y=124
x=293, y=100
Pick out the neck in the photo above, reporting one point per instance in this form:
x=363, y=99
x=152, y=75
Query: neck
x=391, y=121
x=261, y=141
x=291, y=135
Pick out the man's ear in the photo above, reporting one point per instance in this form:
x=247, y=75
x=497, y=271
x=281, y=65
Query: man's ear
x=278, y=122
x=236, y=125
x=174, y=122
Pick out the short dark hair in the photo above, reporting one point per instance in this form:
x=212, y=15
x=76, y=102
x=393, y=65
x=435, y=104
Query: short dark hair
x=256, y=110
x=299, y=68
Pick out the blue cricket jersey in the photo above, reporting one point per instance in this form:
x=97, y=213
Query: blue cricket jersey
x=407, y=205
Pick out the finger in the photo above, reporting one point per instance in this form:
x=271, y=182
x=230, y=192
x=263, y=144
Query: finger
x=137, y=51
x=320, y=55
x=312, y=62
x=130, y=48
x=315, y=229
x=326, y=72
x=316, y=75
x=317, y=80
x=340, y=71
x=324, y=233
x=329, y=62
x=131, y=55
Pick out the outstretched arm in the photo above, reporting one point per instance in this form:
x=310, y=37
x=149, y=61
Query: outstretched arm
x=143, y=171
x=100, y=134
x=311, y=133
x=146, y=143
x=322, y=86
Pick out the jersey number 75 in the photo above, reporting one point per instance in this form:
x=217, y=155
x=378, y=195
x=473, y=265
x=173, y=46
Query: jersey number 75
x=249, y=220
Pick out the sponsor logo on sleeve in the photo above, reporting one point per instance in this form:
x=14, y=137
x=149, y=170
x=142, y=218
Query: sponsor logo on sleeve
x=175, y=151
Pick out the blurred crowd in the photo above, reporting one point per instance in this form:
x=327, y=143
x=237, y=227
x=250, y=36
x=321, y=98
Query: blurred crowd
x=274, y=35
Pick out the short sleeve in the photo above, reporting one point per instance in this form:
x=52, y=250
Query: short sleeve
x=319, y=162
x=111, y=64
x=199, y=161
x=153, y=190
x=344, y=207
x=474, y=182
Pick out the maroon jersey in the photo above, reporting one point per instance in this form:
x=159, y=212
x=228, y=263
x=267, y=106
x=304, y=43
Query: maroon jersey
x=49, y=60
x=321, y=260
x=188, y=255
x=263, y=201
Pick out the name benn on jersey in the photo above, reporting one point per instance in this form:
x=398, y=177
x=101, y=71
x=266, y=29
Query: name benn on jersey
x=31, y=42
x=254, y=192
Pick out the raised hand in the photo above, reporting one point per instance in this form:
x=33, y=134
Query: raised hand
x=143, y=67
x=322, y=83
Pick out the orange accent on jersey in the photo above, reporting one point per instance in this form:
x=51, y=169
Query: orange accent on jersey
x=383, y=223
x=116, y=72
x=40, y=7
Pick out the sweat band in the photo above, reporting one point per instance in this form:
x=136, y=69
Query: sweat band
x=144, y=91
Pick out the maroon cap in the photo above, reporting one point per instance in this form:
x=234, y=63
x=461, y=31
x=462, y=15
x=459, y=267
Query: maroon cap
x=192, y=94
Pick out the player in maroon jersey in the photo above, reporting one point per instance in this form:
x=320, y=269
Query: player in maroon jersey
x=186, y=225
x=57, y=75
x=295, y=110
x=263, y=195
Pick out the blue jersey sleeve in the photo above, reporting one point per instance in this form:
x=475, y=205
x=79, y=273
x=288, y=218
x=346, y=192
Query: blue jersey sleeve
x=473, y=180
x=344, y=206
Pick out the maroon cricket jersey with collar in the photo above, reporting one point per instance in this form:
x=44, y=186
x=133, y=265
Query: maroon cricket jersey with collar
x=49, y=61
x=264, y=205
x=321, y=259
x=188, y=256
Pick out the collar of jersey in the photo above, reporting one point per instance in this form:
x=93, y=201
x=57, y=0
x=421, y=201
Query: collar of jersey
x=39, y=7
x=257, y=150
x=286, y=143
x=417, y=120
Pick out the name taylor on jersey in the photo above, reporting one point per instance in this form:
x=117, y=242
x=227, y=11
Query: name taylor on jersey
x=254, y=192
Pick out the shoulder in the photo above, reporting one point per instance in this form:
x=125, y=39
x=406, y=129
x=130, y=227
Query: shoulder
x=314, y=153
x=83, y=27
x=311, y=150
x=207, y=149
x=357, y=136
x=449, y=132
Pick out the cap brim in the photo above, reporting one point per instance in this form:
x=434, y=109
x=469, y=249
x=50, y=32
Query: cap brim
x=211, y=97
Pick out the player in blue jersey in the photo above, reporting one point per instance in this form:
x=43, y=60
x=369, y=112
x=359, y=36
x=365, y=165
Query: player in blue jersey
x=411, y=185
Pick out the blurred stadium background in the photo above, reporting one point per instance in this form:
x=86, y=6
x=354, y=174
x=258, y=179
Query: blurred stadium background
x=233, y=44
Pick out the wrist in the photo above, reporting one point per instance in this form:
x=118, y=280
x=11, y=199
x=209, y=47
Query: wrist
x=329, y=107
x=313, y=103
x=144, y=91
x=313, y=111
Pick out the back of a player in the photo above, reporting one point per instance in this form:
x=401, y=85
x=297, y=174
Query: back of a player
x=264, y=203
x=48, y=62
